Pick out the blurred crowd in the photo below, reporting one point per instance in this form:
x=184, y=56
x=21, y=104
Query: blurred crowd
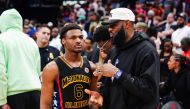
x=162, y=20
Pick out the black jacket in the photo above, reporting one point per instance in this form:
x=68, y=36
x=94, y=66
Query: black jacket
x=137, y=88
x=48, y=54
x=179, y=84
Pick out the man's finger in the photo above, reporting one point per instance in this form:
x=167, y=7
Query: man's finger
x=109, y=61
x=97, y=73
x=88, y=91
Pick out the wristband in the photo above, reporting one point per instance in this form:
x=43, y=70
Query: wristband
x=118, y=74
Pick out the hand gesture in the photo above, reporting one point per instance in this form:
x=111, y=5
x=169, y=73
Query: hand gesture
x=95, y=98
x=107, y=70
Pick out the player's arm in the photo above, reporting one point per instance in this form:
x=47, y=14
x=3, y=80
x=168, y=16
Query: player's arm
x=94, y=81
x=93, y=86
x=49, y=75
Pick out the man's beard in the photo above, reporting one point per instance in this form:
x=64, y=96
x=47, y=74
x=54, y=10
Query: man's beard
x=120, y=38
x=181, y=25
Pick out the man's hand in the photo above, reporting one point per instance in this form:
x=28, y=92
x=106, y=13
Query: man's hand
x=6, y=106
x=92, y=65
x=107, y=70
x=95, y=97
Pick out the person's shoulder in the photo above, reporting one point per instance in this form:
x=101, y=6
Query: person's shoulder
x=50, y=72
x=90, y=63
x=187, y=28
x=53, y=48
x=25, y=37
x=145, y=40
x=143, y=35
x=4, y=35
x=52, y=64
x=51, y=67
x=146, y=46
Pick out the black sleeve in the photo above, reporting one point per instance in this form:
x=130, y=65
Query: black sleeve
x=174, y=27
x=166, y=89
x=58, y=53
x=55, y=51
x=144, y=86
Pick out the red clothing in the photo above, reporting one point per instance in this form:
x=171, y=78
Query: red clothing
x=141, y=11
x=187, y=54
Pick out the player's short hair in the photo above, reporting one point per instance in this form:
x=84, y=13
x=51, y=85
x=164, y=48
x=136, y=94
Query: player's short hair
x=68, y=27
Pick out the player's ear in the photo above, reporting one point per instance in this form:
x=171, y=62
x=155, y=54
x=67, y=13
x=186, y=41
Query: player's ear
x=63, y=41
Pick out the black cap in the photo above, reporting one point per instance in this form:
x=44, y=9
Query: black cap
x=182, y=15
x=108, y=22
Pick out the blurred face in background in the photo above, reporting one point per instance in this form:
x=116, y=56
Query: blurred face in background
x=88, y=44
x=180, y=22
x=99, y=2
x=43, y=35
x=138, y=5
x=172, y=63
x=73, y=16
x=92, y=16
x=26, y=29
x=54, y=32
x=168, y=46
x=170, y=18
x=156, y=21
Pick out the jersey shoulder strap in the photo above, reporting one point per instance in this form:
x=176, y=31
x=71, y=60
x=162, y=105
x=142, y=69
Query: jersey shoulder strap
x=59, y=63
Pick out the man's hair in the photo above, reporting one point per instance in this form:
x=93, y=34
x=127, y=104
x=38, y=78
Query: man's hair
x=167, y=40
x=42, y=26
x=186, y=42
x=68, y=27
x=101, y=34
x=184, y=61
x=91, y=39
